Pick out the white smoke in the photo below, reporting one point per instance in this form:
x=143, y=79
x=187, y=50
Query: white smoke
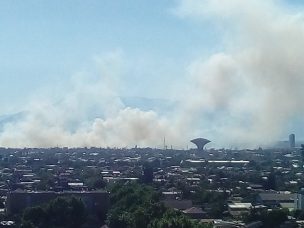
x=245, y=95
x=257, y=81
x=91, y=113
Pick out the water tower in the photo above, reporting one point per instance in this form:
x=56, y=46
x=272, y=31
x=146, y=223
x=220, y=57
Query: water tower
x=200, y=143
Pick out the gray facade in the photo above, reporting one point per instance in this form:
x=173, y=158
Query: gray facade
x=292, y=140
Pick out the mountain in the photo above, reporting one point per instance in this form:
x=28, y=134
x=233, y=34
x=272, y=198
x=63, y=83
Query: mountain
x=160, y=106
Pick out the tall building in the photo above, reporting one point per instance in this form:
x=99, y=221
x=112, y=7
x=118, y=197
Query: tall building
x=299, y=200
x=292, y=140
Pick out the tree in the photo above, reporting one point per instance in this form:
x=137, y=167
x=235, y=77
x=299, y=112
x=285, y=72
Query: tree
x=215, y=200
x=271, y=181
x=35, y=215
x=61, y=212
x=95, y=183
x=131, y=205
x=271, y=219
x=73, y=210
x=147, y=173
x=137, y=206
x=274, y=218
x=27, y=224
x=119, y=219
x=173, y=219
x=298, y=214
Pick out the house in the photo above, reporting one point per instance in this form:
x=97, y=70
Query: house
x=178, y=204
x=237, y=209
x=274, y=199
x=195, y=213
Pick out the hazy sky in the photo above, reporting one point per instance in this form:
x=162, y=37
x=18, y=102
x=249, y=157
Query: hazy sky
x=44, y=43
x=228, y=62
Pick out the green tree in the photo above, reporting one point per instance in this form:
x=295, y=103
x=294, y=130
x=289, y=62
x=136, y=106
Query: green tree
x=35, y=215
x=137, y=206
x=73, y=210
x=27, y=224
x=61, y=212
x=270, y=219
x=274, y=218
x=173, y=219
x=95, y=183
x=299, y=214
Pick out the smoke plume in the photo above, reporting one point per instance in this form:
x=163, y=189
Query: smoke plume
x=256, y=82
x=244, y=95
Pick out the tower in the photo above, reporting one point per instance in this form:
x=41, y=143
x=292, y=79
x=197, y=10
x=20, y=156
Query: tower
x=200, y=143
x=292, y=140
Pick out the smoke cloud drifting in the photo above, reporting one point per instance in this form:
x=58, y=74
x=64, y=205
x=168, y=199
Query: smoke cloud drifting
x=257, y=81
x=245, y=95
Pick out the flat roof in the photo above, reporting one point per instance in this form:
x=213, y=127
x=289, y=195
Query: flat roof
x=240, y=205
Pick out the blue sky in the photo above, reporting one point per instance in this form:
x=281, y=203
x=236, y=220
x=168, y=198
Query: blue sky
x=45, y=42
x=200, y=53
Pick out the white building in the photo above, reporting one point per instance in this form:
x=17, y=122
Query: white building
x=237, y=209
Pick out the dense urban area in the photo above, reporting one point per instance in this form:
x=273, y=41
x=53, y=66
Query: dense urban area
x=145, y=187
